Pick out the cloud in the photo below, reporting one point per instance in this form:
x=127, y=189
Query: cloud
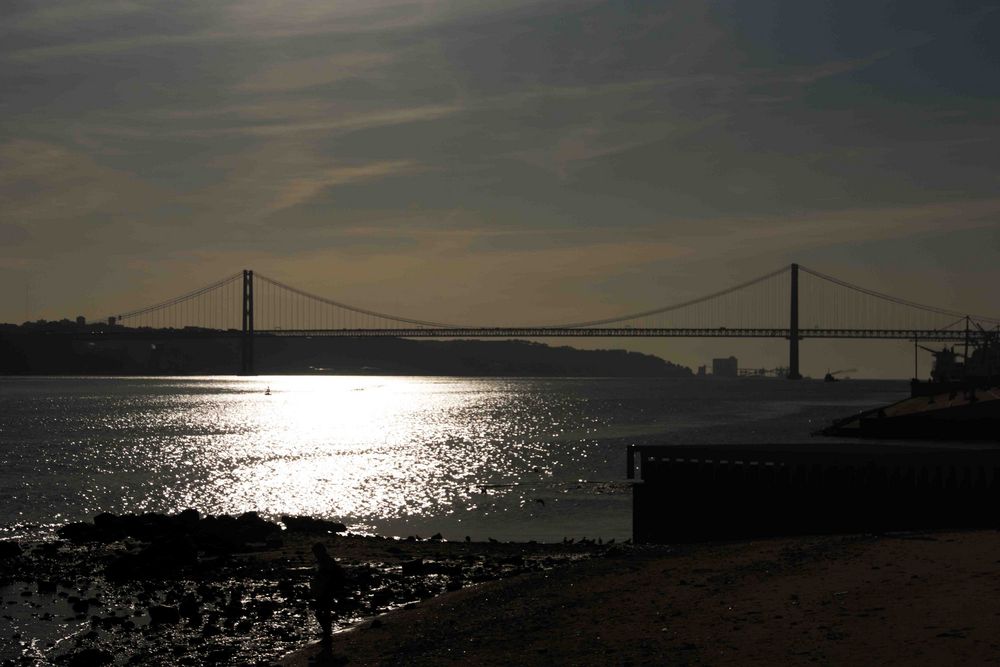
x=42, y=183
x=47, y=16
x=300, y=190
x=114, y=45
x=328, y=122
x=311, y=72
x=248, y=21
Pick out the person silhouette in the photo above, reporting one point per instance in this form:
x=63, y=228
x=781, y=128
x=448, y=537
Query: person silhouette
x=327, y=584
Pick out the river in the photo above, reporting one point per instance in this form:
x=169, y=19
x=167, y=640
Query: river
x=512, y=459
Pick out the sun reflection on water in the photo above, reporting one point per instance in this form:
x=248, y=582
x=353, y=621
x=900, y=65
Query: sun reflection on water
x=349, y=446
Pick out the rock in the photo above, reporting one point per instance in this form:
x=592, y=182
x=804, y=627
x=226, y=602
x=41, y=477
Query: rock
x=234, y=607
x=189, y=607
x=9, y=550
x=226, y=534
x=307, y=524
x=109, y=523
x=164, y=558
x=437, y=567
x=265, y=609
x=79, y=532
x=161, y=615
x=188, y=517
x=413, y=567
x=223, y=654
x=90, y=657
x=112, y=621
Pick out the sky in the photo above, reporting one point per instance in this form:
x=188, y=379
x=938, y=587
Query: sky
x=501, y=162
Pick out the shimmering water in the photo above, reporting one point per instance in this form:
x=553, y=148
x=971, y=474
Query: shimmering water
x=504, y=458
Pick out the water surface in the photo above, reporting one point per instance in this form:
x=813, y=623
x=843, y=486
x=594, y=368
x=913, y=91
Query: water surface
x=504, y=458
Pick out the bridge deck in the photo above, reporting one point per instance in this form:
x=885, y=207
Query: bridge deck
x=631, y=332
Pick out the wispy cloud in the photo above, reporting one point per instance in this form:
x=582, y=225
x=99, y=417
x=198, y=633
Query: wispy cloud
x=43, y=183
x=252, y=21
x=48, y=15
x=300, y=190
x=311, y=72
x=333, y=122
x=115, y=45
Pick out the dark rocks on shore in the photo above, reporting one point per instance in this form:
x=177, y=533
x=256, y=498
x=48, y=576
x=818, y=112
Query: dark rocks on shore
x=174, y=539
x=189, y=608
x=90, y=657
x=310, y=525
x=413, y=567
x=164, y=615
x=163, y=558
x=9, y=550
x=209, y=597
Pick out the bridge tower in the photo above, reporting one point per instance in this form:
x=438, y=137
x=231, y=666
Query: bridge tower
x=246, y=340
x=793, y=328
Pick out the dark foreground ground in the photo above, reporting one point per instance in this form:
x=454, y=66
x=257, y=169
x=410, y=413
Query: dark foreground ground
x=195, y=590
x=221, y=590
x=916, y=599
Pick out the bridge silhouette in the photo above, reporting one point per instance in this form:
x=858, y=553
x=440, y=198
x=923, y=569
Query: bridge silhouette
x=792, y=303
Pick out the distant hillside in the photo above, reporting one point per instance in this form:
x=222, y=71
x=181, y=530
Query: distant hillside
x=63, y=348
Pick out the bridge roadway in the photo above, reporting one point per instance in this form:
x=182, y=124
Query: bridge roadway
x=940, y=335
x=946, y=335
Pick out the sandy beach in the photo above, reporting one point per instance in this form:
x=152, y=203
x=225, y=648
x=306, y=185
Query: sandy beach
x=911, y=599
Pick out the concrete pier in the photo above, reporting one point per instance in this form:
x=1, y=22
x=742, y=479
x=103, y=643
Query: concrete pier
x=696, y=493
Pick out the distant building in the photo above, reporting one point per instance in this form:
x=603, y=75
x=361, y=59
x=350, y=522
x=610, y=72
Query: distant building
x=81, y=320
x=726, y=368
x=701, y=371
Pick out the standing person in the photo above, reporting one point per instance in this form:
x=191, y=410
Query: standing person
x=327, y=583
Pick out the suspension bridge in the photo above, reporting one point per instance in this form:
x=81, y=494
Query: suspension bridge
x=792, y=303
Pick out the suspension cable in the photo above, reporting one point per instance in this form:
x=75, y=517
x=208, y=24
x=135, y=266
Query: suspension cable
x=354, y=309
x=657, y=311
x=897, y=300
x=183, y=297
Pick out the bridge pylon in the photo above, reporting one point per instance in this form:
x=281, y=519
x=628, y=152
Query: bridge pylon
x=246, y=340
x=793, y=328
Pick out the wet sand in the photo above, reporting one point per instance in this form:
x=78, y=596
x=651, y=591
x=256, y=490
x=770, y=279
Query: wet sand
x=911, y=599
